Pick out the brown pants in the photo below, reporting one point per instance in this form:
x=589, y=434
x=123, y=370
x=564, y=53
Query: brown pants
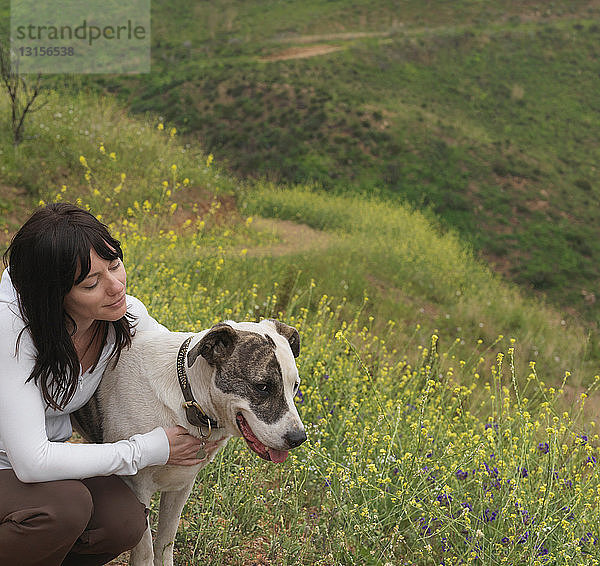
x=68, y=523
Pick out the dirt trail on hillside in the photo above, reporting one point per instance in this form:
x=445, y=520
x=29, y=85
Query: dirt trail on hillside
x=292, y=238
x=525, y=16
x=302, y=52
x=333, y=36
x=318, y=48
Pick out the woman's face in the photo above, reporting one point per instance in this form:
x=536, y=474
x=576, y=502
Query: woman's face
x=101, y=295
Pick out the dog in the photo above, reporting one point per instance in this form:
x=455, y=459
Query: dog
x=234, y=379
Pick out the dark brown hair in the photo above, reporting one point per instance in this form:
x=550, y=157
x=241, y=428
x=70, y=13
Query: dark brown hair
x=44, y=258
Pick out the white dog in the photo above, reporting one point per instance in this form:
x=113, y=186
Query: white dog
x=235, y=379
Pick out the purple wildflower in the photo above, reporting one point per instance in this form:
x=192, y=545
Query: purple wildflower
x=489, y=516
x=444, y=499
x=425, y=526
x=461, y=474
x=493, y=472
x=588, y=538
x=523, y=538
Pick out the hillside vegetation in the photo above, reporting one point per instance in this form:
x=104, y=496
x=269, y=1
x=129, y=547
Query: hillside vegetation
x=483, y=114
x=424, y=448
x=393, y=259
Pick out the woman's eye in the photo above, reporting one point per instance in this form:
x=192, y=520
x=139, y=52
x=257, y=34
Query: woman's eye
x=91, y=286
x=115, y=266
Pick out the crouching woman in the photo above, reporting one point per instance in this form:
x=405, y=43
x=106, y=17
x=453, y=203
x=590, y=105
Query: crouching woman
x=64, y=315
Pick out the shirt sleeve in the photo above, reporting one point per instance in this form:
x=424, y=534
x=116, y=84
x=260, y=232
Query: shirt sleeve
x=144, y=320
x=23, y=434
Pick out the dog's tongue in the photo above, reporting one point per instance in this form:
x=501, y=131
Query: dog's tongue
x=277, y=456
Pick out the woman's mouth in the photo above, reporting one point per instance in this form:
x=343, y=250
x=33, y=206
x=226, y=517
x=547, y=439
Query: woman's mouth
x=117, y=304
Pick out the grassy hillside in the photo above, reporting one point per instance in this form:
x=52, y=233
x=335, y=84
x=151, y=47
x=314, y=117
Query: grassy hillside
x=411, y=271
x=423, y=448
x=483, y=114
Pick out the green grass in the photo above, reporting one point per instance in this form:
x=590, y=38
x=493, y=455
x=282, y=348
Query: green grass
x=466, y=110
x=422, y=449
x=417, y=454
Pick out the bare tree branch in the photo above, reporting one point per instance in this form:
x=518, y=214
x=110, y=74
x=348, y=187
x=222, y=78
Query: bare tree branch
x=24, y=95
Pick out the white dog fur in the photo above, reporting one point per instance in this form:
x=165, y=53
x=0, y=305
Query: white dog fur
x=235, y=370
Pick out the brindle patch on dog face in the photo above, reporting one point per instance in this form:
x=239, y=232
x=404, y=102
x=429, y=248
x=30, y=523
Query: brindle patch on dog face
x=252, y=371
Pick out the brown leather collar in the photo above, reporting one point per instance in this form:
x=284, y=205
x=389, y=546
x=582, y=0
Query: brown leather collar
x=193, y=412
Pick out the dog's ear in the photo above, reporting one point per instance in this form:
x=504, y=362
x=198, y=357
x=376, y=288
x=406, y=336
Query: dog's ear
x=290, y=333
x=216, y=345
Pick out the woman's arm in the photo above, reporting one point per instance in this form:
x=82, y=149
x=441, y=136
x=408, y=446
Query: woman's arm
x=23, y=426
x=35, y=458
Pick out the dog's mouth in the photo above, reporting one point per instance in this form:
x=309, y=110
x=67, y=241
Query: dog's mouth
x=256, y=445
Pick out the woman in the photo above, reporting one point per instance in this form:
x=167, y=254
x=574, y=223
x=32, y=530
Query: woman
x=64, y=316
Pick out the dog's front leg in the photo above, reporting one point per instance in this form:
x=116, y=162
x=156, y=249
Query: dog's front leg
x=142, y=555
x=171, y=505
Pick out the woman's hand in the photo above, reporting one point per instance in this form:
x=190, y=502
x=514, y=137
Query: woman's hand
x=183, y=447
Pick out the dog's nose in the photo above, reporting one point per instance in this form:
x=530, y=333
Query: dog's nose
x=295, y=437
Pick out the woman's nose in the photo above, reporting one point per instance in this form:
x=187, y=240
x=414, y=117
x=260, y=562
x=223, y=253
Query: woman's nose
x=115, y=286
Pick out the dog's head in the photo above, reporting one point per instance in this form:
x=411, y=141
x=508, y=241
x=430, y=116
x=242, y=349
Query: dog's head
x=254, y=383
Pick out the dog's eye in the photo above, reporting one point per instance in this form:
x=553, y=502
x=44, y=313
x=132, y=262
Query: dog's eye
x=262, y=387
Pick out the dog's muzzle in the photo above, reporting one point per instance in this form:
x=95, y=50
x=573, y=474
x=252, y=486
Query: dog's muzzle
x=293, y=439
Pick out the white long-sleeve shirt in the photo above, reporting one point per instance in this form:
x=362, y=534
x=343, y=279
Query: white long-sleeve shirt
x=32, y=435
